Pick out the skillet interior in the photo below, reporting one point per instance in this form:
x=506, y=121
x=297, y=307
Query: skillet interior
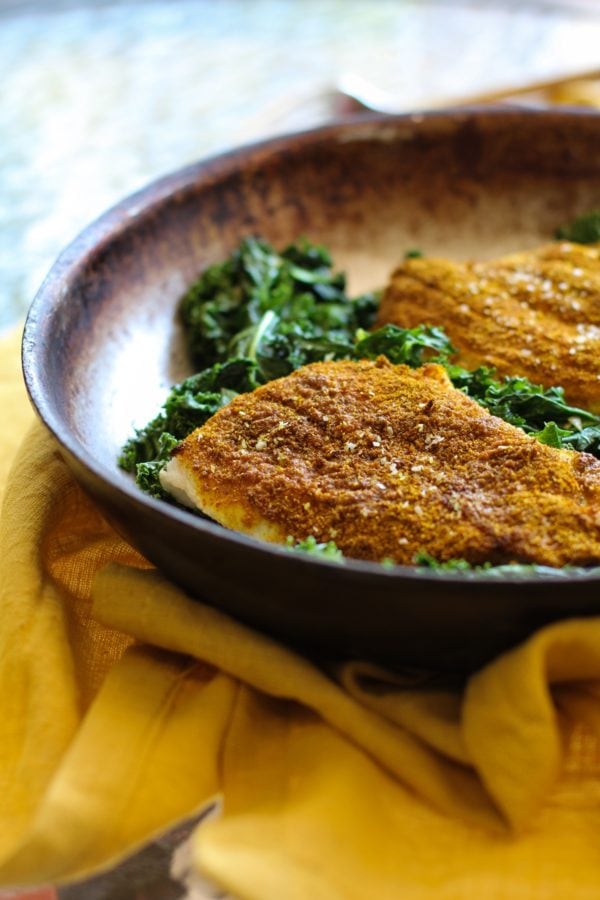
x=102, y=345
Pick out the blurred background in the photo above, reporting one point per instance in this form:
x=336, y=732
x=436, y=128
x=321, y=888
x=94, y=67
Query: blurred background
x=98, y=96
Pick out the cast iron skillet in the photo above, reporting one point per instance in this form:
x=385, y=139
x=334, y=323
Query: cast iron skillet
x=102, y=344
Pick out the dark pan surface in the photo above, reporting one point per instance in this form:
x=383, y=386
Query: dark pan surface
x=102, y=345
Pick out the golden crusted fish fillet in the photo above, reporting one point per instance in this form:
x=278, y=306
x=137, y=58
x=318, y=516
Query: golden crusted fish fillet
x=535, y=313
x=388, y=461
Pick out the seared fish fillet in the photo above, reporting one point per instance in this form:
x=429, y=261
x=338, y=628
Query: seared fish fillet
x=535, y=314
x=388, y=461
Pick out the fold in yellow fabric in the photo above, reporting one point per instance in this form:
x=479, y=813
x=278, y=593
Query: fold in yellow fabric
x=127, y=706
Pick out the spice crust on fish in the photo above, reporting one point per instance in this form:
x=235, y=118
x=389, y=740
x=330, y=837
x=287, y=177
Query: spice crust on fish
x=388, y=462
x=534, y=314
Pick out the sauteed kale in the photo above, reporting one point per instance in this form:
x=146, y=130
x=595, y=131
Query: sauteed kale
x=423, y=561
x=582, y=230
x=310, y=545
x=282, y=310
x=262, y=314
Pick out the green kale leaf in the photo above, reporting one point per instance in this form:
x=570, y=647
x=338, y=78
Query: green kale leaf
x=187, y=406
x=524, y=404
x=424, y=560
x=310, y=545
x=224, y=311
x=411, y=346
x=583, y=439
x=427, y=563
x=584, y=229
x=147, y=473
x=552, y=435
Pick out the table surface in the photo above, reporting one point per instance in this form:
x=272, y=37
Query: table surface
x=98, y=98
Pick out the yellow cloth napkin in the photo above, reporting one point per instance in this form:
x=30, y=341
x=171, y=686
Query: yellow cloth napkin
x=125, y=707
